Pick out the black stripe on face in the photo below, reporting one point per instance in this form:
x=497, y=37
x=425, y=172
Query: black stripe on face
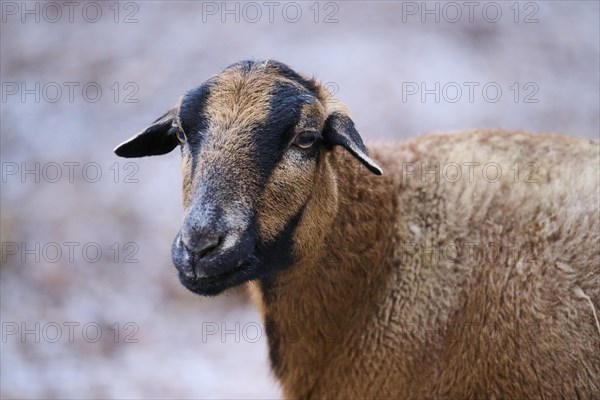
x=277, y=254
x=273, y=136
x=193, y=120
x=272, y=140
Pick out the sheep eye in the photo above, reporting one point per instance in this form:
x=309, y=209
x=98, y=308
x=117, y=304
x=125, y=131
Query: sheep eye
x=181, y=136
x=306, y=139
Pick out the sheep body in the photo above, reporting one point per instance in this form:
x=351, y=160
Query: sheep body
x=469, y=270
x=429, y=286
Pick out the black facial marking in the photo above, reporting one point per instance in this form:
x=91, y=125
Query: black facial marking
x=277, y=254
x=191, y=111
x=193, y=120
x=273, y=136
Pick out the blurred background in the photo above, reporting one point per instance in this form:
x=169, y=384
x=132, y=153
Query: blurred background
x=91, y=306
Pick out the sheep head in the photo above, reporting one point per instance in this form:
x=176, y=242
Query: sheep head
x=259, y=184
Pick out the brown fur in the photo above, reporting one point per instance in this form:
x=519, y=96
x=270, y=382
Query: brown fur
x=361, y=316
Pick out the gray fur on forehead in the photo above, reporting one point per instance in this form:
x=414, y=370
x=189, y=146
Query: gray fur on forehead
x=274, y=67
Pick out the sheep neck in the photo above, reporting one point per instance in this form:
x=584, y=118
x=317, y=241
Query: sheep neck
x=323, y=302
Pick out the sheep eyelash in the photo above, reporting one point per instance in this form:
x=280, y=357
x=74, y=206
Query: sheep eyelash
x=317, y=135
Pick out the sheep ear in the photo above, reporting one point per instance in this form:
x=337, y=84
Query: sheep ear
x=156, y=139
x=339, y=130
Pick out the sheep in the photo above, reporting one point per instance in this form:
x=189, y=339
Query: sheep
x=469, y=270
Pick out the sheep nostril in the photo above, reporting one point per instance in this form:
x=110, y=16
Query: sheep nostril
x=208, y=245
x=201, y=246
x=199, y=242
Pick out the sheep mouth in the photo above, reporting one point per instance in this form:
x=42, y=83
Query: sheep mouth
x=215, y=284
